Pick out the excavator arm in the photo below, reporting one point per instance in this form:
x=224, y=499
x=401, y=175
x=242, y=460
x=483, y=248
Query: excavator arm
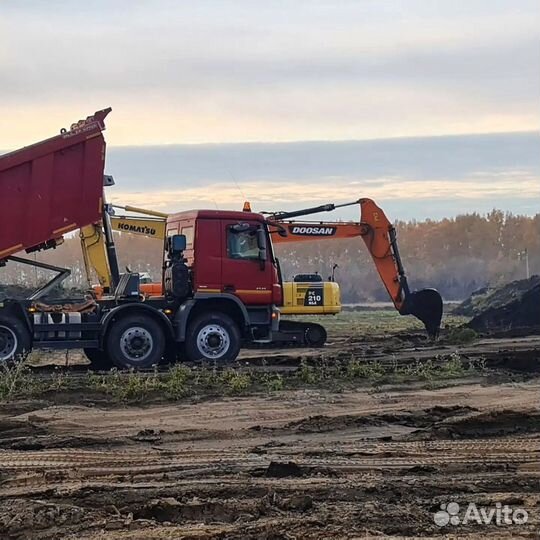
x=379, y=235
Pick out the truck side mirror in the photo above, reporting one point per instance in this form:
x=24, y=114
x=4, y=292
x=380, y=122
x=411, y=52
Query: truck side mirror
x=177, y=244
x=261, y=243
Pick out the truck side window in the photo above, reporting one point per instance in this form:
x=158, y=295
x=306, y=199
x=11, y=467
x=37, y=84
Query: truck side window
x=242, y=245
x=188, y=233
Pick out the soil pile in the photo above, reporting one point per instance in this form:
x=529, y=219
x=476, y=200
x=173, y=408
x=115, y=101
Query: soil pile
x=514, y=306
x=18, y=292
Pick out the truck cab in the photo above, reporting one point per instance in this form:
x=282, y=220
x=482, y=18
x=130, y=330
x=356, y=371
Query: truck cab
x=230, y=253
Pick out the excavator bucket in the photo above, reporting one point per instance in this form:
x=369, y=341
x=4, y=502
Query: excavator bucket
x=426, y=305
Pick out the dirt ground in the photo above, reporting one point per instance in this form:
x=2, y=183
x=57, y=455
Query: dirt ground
x=301, y=463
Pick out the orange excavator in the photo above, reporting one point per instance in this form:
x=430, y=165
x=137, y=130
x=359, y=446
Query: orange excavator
x=379, y=235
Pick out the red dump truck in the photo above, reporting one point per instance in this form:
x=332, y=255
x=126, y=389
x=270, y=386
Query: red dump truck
x=221, y=281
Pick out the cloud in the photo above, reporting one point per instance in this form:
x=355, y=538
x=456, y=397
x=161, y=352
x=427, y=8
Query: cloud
x=414, y=178
x=268, y=195
x=423, y=158
x=228, y=71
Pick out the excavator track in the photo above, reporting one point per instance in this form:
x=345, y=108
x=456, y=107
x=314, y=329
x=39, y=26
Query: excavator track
x=296, y=333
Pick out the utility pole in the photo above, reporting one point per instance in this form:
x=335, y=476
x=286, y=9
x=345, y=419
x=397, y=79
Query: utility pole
x=524, y=255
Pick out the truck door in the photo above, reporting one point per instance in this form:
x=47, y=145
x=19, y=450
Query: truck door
x=244, y=273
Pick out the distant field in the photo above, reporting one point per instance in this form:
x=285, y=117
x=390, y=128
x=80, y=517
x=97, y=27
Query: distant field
x=375, y=321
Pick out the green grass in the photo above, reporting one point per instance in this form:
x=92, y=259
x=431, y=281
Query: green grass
x=375, y=322
x=460, y=336
x=16, y=380
x=180, y=382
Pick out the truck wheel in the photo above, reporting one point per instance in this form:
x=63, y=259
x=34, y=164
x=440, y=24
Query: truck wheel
x=99, y=360
x=214, y=338
x=135, y=341
x=15, y=340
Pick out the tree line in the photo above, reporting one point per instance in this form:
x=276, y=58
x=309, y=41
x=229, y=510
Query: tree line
x=455, y=255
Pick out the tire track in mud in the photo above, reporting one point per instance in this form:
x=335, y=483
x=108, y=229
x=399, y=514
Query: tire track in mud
x=484, y=450
x=315, y=477
x=519, y=354
x=351, y=455
x=331, y=461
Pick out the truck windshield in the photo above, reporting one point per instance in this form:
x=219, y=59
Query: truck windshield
x=243, y=244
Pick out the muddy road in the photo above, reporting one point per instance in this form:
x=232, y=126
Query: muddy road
x=362, y=462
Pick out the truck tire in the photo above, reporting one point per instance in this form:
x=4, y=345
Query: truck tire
x=135, y=341
x=99, y=360
x=15, y=339
x=212, y=338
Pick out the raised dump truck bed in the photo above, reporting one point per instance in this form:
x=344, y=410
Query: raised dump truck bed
x=52, y=187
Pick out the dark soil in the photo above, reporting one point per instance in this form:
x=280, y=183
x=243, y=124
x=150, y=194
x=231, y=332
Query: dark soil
x=514, y=306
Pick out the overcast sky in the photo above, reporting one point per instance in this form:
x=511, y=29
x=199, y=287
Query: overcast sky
x=243, y=71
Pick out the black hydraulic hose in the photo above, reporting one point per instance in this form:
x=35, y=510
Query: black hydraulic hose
x=401, y=271
x=111, y=248
x=279, y=216
x=306, y=212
